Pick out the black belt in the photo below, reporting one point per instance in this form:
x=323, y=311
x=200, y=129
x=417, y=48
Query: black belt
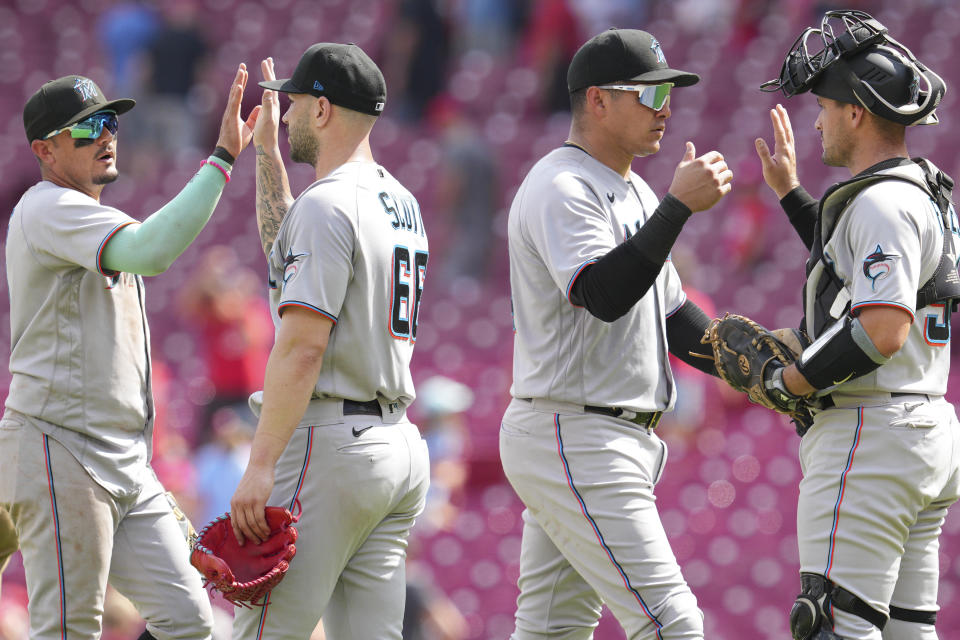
x=647, y=420
x=354, y=408
x=827, y=401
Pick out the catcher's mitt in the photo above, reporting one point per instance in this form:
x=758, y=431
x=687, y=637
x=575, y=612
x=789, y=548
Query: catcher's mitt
x=747, y=355
x=244, y=575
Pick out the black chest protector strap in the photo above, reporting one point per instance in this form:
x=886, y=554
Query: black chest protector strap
x=825, y=302
x=944, y=284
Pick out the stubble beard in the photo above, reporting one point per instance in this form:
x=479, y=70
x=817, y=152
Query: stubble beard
x=303, y=147
x=107, y=177
x=832, y=158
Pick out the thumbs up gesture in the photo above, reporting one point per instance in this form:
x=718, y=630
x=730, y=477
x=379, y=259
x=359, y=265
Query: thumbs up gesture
x=700, y=182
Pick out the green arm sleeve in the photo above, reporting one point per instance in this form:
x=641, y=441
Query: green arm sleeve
x=151, y=247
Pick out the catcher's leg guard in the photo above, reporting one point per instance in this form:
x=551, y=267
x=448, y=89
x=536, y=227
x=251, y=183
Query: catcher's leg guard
x=913, y=615
x=812, y=608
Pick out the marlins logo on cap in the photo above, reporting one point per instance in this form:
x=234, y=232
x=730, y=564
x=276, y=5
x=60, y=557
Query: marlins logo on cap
x=655, y=46
x=85, y=89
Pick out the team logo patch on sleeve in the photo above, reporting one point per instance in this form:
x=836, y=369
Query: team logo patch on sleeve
x=878, y=265
x=291, y=265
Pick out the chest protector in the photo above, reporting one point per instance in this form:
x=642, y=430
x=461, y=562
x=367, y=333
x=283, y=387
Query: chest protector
x=825, y=297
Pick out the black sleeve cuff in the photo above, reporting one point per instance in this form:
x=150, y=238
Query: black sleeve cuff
x=801, y=209
x=685, y=328
x=796, y=201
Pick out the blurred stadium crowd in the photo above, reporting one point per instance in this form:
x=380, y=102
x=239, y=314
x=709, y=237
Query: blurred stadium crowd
x=476, y=95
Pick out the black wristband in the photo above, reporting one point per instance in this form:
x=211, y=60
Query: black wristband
x=223, y=154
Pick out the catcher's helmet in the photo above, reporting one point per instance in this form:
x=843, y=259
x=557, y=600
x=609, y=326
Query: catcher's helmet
x=862, y=65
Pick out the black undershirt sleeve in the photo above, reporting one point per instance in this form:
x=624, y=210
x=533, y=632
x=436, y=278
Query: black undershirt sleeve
x=685, y=328
x=611, y=286
x=801, y=210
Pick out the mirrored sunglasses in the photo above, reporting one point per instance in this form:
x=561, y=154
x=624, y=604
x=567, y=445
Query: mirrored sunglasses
x=92, y=127
x=654, y=96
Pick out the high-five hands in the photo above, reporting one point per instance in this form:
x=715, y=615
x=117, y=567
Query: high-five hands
x=265, y=132
x=780, y=167
x=700, y=182
x=235, y=133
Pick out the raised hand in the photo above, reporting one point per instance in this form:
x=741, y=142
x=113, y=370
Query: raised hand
x=780, y=167
x=265, y=132
x=235, y=133
x=700, y=182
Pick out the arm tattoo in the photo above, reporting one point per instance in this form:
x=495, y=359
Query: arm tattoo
x=273, y=197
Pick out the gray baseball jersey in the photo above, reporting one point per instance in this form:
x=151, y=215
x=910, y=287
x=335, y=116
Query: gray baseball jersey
x=570, y=211
x=358, y=228
x=80, y=346
x=885, y=246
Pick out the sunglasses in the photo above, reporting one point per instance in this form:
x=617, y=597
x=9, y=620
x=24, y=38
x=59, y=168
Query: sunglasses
x=92, y=127
x=655, y=96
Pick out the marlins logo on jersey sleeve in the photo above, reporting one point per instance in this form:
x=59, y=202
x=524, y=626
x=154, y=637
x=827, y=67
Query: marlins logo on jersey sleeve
x=291, y=264
x=871, y=242
x=878, y=265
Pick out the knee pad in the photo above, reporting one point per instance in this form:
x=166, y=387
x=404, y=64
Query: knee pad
x=811, y=610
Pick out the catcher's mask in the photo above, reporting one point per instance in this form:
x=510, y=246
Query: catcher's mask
x=851, y=58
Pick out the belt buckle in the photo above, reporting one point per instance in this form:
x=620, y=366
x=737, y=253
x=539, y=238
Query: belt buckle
x=654, y=420
x=647, y=420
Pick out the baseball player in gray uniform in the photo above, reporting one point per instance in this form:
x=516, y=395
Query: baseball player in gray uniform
x=881, y=461
x=597, y=305
x=347, y=261
x=75, y=438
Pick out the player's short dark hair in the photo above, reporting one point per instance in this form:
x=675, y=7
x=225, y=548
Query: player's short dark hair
x=578, y=100
x=890, y=131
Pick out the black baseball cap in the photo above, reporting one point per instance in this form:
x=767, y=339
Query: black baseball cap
x=341, y=72
x=66, y=101
x=618, y=55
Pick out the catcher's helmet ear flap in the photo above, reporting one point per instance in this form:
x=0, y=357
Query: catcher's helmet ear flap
x=886, y=83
